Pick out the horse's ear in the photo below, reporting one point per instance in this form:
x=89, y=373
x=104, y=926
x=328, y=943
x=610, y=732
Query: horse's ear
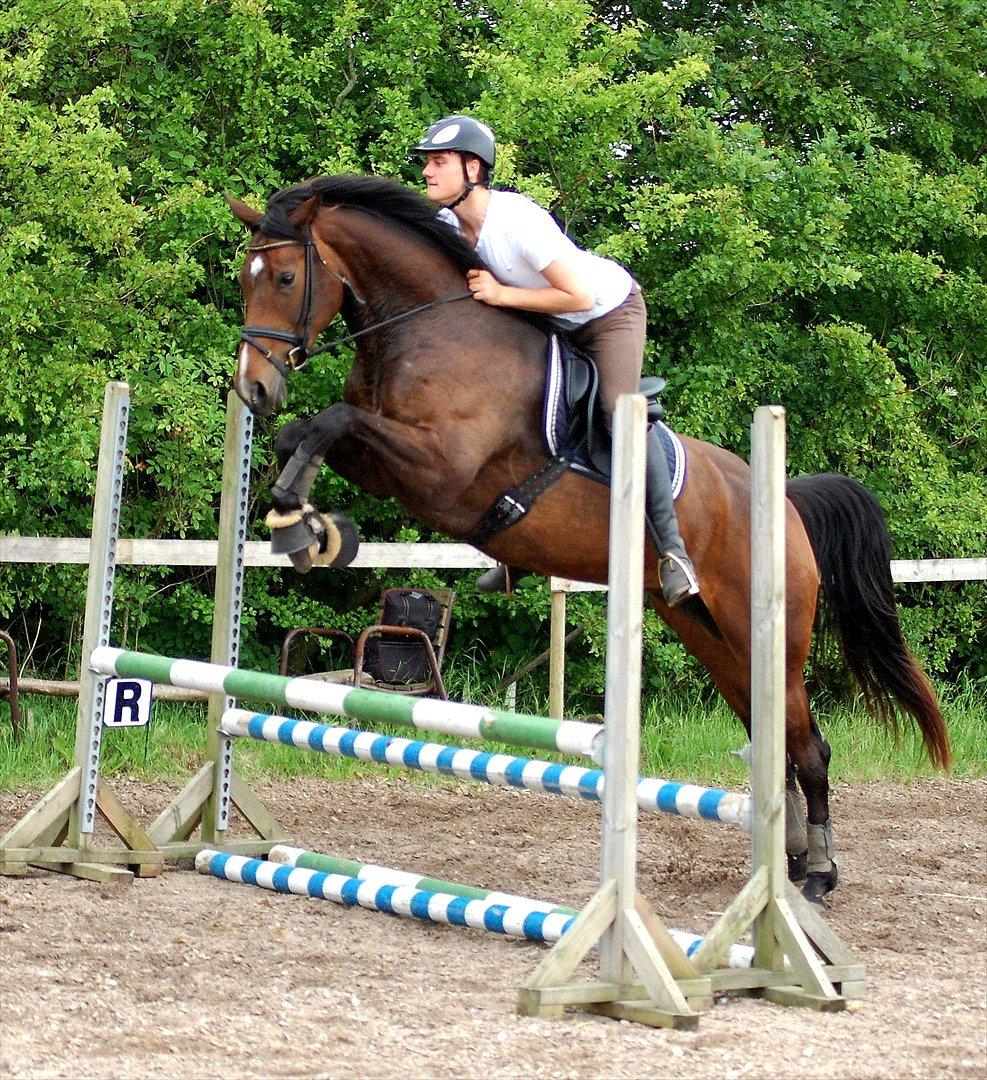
x=243, y=213
x=303, y=214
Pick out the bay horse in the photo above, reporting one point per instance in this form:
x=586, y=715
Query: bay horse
x=442, y=410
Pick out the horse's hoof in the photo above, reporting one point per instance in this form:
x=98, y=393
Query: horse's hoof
x=301, y=560
x=339, y=542
x=307, y=537
x=798, y=867
x=817, y=885
x=293, y=536
x=349, y=539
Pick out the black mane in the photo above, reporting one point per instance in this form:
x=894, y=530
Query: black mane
x=382, y=198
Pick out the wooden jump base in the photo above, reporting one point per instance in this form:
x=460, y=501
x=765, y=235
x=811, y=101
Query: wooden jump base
x=501, y=770
x=644, y=975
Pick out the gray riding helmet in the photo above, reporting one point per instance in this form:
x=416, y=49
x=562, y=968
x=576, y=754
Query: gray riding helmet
x=460, y=133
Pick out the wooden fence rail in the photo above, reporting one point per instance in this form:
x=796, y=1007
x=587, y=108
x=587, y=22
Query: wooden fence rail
x=75, y=550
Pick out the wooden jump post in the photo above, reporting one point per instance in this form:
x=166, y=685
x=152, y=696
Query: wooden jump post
x=643, y=975
x=59, y=832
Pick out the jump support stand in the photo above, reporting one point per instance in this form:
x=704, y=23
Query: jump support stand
x=640, y=965
x=58, y=833
x=644, y=976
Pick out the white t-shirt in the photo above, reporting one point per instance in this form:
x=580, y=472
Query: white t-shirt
x=519, y=239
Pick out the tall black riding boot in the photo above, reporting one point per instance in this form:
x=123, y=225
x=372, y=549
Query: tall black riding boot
x=678, y=575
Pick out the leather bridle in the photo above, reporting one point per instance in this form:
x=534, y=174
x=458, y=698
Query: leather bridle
x=298, y=355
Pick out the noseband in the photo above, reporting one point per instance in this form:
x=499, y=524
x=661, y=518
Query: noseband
x=298, y=355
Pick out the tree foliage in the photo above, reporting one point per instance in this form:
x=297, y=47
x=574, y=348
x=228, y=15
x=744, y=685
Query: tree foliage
x=799, y=187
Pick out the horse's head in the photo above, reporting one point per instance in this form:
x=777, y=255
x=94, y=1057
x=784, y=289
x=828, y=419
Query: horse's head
x=291, y=292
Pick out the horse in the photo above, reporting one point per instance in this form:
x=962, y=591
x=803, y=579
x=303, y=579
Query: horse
x=441, y=410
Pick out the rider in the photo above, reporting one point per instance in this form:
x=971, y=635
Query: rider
x=536, y=267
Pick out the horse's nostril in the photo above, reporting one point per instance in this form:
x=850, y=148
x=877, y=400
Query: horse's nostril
x=258, y=395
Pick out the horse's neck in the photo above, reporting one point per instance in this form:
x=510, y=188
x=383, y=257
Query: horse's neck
x=393, y=273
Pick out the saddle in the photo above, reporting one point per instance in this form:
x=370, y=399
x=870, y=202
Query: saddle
x=575, y=424
x=576, y=436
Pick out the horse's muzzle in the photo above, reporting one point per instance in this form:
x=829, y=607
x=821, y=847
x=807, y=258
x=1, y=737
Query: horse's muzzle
x=260, y=399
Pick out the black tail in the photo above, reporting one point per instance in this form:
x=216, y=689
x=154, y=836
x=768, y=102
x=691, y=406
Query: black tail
x=849, y=537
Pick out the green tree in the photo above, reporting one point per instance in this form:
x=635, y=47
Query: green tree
x=800, y=191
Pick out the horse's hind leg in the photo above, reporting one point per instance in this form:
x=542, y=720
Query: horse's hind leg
x=808, y=760
x=808, y=844
x=796, y=834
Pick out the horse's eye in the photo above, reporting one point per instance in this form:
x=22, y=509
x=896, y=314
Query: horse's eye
x=286, y=278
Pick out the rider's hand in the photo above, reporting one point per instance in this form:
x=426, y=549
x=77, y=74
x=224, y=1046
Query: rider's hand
x=484, y=286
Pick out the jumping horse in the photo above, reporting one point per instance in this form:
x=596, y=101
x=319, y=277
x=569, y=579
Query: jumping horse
x=442, y=410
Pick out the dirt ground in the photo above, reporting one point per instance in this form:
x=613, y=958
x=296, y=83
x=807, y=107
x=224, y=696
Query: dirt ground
x=187, y=976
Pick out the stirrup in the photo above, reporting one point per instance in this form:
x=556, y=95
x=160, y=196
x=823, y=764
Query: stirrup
x=678, y=579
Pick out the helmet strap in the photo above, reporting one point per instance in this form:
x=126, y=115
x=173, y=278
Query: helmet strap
x=466, y=192
x=468, y=186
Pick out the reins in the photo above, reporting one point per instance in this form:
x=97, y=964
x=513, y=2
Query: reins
x=298, y=356
x=388, y=322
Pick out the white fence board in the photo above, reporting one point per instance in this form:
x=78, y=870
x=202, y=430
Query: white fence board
x=54, y=550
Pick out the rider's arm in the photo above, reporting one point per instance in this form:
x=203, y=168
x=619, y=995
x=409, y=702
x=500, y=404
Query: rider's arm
x=565, y=291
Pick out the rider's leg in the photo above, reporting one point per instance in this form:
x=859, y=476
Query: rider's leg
x=678, y=575
x=616, y=342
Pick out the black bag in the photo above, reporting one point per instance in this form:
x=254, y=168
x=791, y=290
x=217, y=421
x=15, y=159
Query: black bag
x=390, y=658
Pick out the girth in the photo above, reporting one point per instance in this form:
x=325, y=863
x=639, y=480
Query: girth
x=515, y=502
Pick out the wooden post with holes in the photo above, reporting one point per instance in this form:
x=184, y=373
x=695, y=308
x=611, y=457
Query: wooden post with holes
x=208, y=798
x=640, y=964
x=58, y=833
x=798, y=960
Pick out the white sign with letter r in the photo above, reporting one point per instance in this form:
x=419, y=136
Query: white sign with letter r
x=128, y=703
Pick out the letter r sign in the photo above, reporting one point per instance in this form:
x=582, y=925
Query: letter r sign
x=128, y=703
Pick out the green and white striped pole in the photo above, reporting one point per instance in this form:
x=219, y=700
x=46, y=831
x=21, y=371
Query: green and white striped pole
x=427, y=714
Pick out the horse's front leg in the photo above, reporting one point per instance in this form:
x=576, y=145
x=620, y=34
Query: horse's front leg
x=347, y=457
x=301, y=447
x=410, y=461
x=298, y=530
x=409, y=456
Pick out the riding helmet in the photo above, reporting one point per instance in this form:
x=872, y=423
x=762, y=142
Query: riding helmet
x=460, y=133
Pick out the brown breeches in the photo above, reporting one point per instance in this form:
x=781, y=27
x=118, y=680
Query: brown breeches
x=616, y=343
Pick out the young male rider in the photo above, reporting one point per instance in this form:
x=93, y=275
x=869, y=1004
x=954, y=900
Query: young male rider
x=534, y=266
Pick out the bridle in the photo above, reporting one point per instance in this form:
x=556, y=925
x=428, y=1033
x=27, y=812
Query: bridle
x=298, y=355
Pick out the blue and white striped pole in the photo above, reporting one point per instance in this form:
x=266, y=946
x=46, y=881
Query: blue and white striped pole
x=517, y=920
x=501, y=770
x=399, y=892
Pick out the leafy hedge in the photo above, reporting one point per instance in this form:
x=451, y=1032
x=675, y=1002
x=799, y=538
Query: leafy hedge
x=799, y=187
